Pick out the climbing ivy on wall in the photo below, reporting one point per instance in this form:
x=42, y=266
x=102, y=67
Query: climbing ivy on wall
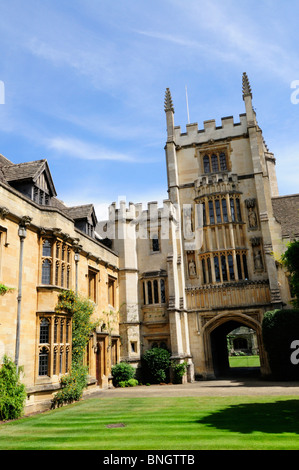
x=81, y=310
x=4, y=289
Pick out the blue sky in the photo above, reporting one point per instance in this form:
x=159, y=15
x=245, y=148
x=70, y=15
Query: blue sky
x=85, y=83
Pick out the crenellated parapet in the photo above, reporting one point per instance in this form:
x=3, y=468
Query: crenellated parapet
x=139, y=219
x=228, y=129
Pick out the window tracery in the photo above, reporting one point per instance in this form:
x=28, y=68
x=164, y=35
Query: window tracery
x=54, y=333
x=56, y=263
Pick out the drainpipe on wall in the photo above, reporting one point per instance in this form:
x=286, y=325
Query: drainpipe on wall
x=22, y=232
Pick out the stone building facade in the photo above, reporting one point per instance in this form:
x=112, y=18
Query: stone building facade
x=205, y=263
x=181, y=276
x=46, y=247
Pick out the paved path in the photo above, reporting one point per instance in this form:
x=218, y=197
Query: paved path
x=221, y=388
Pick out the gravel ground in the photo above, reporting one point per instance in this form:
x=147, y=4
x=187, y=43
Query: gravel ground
x=221, y=388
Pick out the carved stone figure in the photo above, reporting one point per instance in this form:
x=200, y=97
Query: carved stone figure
x=192, y=268
x=258, y=262
x=252, y=219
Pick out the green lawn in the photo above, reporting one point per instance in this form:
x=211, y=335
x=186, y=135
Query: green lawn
x=244, y=361
x=189, y=423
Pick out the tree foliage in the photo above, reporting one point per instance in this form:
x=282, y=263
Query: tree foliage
x=156, y=363
x=12, y=392
x=290, y=260
x=279, y=329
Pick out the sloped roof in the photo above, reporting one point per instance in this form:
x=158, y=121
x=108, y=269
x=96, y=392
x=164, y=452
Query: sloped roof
x=82, y=212
x=17, y=172
x=286, y=212
x=4, y=160
x=26, y=171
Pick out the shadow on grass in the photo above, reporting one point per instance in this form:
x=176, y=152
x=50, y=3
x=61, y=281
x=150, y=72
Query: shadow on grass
x=279, y=417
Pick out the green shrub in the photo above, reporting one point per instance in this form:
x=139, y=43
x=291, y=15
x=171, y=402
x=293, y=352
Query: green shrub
x=12, y=392
x=128, y=383
x=179, y=370
x=155, y=364
x=72, y=386
x=122, y=372
x=279, y=329
x=132, y=383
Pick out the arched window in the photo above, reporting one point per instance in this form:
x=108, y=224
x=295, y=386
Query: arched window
x=217, y=269
x=156, y=292
x=223, y=267
x=245, y=266
x=43, y=362
x=47, y=248
x=214, y=161
x=231, y=267
x=218, y=212
x=149, y=292
x=162, y=286
x=211, y=212
x=46, y=272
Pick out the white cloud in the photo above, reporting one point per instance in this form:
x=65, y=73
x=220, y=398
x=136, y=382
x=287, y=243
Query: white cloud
x=221, y=31
x=86, y=151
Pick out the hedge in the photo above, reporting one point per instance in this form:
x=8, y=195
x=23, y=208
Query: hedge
x=279, y=329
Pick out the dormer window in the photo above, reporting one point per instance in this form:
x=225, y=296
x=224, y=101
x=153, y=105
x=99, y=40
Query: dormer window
x=40, y=196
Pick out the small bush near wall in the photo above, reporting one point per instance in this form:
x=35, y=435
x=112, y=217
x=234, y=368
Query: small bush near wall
x=155, y=365
x=280, y=328
x=12, y=392
x=123, y=374
x=179, y=370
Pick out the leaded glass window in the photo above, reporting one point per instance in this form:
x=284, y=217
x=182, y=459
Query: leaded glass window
x=43, y=362
x=46, y=272
x=44, y=331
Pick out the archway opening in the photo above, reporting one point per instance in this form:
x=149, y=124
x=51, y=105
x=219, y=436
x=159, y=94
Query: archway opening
x=234, y=350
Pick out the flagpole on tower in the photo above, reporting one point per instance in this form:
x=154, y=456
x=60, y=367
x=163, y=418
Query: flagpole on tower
x=187, y=106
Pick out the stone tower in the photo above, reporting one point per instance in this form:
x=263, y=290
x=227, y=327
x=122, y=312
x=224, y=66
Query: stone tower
x=202, y=265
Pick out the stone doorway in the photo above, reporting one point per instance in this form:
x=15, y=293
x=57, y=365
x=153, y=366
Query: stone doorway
x=215, y=344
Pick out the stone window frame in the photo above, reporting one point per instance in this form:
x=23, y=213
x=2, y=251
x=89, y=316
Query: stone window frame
x=232, y=266
x=154, y=291
x=93, y=278
x=60, y=260
x=210, y=148
x=213, y=161
x=57, y=349
x=221, y=213
x=111, y=287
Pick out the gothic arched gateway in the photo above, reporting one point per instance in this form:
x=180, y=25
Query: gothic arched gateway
x=214, y=342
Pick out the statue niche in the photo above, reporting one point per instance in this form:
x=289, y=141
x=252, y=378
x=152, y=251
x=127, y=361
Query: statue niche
x=191, y=267
x=251, y=214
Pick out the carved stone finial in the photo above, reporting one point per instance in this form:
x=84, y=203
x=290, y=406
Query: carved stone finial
x=246, y=86
x=168, y=105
